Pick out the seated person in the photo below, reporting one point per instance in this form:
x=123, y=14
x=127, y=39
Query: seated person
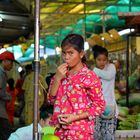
x=26, y=133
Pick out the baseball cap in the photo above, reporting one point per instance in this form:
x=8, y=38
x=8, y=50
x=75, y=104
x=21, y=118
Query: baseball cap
x=8, y=55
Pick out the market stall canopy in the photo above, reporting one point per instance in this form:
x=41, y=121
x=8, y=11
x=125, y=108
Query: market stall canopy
x=86, y=17
x=58, y=15
x=61, y=13
x=89, y=17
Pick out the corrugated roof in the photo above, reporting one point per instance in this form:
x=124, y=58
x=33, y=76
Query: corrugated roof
x=86, y=17
x=58, y=14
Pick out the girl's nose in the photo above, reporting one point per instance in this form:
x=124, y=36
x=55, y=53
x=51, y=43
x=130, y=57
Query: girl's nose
x=66, y=56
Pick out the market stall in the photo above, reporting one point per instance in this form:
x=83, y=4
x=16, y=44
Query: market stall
x=101, y=26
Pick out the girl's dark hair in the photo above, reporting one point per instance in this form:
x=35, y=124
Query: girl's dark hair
x=76, y=41
x=98, y=50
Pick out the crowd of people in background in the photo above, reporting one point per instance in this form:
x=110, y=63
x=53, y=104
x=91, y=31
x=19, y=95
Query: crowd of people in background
x=82, y=100
x=16, y=97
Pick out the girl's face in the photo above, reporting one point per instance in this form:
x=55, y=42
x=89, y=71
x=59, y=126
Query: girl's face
x=71, y=56
x=101, y=61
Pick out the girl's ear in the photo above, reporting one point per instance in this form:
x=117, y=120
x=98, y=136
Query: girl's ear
x=82, y=53
x=41, y=122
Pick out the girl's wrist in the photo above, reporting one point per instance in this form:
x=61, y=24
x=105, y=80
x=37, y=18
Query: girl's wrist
x=75, y=117
x=78, y=117
x=57, y=79
x=81, y=116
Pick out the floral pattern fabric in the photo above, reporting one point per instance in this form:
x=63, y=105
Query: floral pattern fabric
x=77, y=93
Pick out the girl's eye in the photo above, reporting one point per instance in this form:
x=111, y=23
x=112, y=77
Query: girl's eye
x=63, y=53
x=70, y=53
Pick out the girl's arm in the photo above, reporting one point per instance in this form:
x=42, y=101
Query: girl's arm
x=60, y=74
x=107, y=74
x=54, y=86
x=94, y=92
x=55, y=82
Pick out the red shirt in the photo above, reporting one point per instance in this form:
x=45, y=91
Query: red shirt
x=10, y=105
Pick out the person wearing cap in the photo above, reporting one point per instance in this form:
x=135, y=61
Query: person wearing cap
x=6, y=64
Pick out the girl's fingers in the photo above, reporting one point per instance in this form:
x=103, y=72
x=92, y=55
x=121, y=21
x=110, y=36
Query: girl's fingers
x=63, y=118
x=65, y=65
x=64, y=115
x=63, y=69
x=62, y=121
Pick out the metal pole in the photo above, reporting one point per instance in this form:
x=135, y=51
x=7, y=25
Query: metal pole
x=85, y=18
x=127, y=71
x=36, y=69
x=127, y=64
x=103, y=25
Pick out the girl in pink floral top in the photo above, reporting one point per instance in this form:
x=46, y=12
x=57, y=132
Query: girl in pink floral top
x=75, y=92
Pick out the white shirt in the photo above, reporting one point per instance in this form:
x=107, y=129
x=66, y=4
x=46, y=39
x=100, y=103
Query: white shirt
x=107, y=76
x=24, y=133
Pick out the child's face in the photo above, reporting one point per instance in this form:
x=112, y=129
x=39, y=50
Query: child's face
x=71, y=56
x=45, y=122
x=101, y=61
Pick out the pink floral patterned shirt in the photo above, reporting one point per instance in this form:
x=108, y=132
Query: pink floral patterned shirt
x=77, y=93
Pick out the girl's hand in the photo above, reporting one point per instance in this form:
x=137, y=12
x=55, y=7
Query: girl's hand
x=67, y=119
x=61, y=71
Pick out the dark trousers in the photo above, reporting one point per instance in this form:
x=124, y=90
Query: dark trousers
x=5, y=129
